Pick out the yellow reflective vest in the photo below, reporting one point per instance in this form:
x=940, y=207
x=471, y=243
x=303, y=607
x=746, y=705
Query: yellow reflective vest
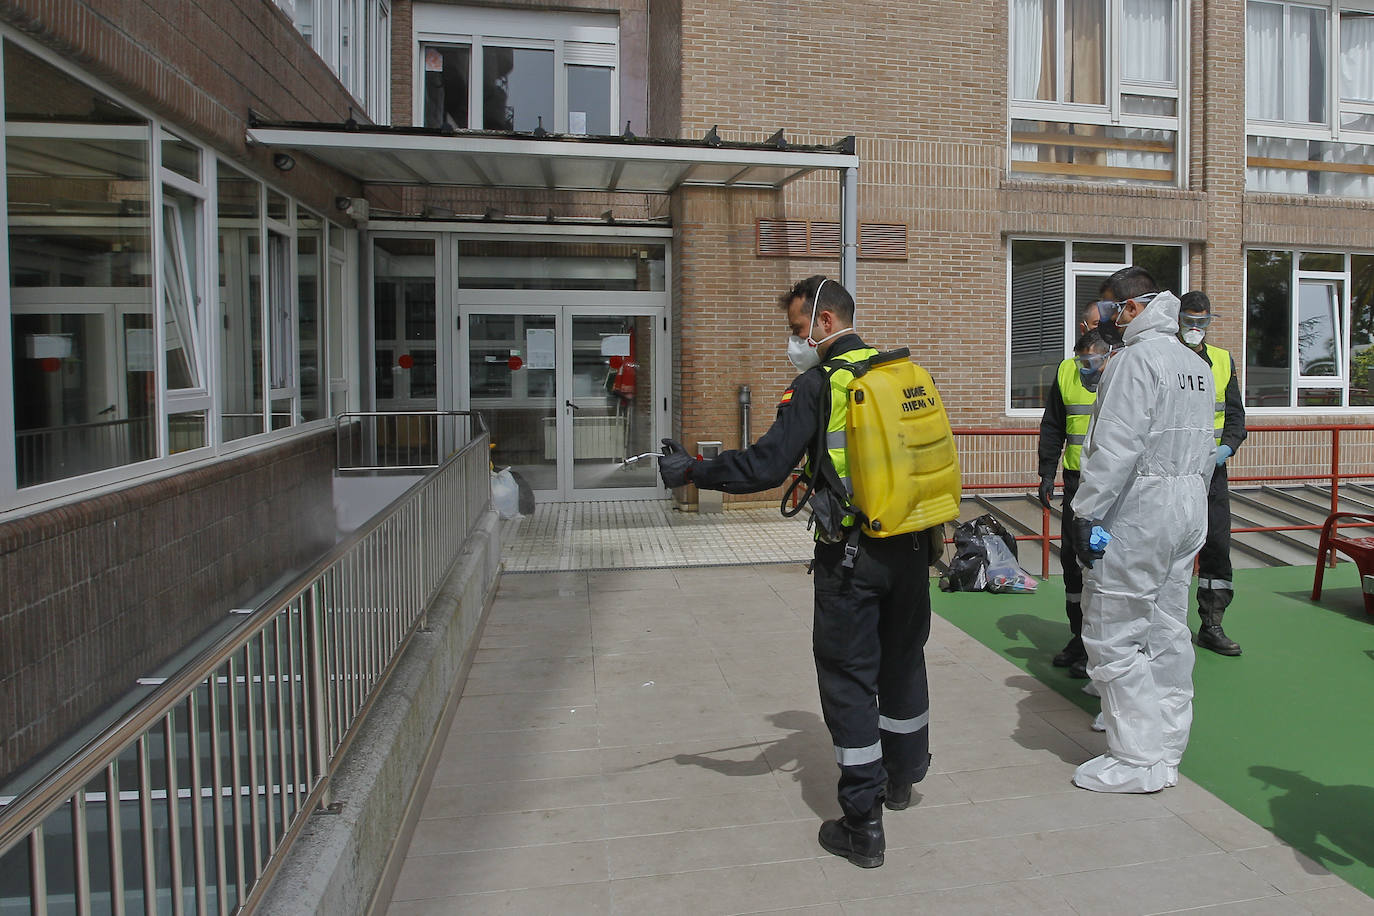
x=1078, y=406
x=1221, y=375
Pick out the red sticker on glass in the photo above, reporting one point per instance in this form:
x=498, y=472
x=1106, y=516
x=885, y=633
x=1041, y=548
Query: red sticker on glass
x=50, y=363
x=616, y=361
x=406, y=362
x=515, y=362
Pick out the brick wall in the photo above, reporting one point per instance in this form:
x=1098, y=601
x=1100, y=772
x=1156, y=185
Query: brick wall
x=201, y=66
x=923, y=87
x=100, y=592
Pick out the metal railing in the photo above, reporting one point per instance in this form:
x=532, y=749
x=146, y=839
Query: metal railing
x=375, y=441
x=59, y=452
x=1004, y=460
x=186, y=803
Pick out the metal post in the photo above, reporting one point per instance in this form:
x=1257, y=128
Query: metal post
x=745, y=403
x=1335, y=478
x=1045, y=542
x=849, y=230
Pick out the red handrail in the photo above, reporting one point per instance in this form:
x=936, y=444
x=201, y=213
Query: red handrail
x=1333, y=477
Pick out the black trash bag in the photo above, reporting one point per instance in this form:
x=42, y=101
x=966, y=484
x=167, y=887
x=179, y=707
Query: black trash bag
x=985, y=560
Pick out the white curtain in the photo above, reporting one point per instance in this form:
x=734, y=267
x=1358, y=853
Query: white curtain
x=1305, y=66
x=1357, y=56
x=1149, y=50
x=1028, y=59
x=1280, y=181
x=1263, y=53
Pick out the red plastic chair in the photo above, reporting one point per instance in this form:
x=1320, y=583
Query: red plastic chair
x=1361, y=550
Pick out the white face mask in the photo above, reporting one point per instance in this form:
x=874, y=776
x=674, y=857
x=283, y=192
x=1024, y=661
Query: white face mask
x=802, y=352
x=1194, y=336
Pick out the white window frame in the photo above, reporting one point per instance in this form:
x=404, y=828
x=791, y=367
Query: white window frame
x=576, y=39
x=1111, y=114
x=1072, y=271
x=1336, y=106
x=181, y=401
x=1296, y=381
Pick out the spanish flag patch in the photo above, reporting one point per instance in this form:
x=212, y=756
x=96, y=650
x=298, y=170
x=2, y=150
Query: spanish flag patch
x=786, y=396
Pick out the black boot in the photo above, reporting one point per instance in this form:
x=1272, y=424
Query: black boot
x=1214, y=637
x=860, y=840
x=898, y=795
x=1071, y=653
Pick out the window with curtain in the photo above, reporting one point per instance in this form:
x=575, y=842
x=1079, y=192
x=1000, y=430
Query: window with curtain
x=1052, y=281
x=1309, y=332
x=516, y=70
x=1095, y=89
x=1310, y=124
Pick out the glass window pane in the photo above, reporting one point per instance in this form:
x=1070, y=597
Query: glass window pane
x=1038, y=319
x=511, y=366
x=308, y=337
x=405, y=330
x=556, y=265
x=279, y=296
x=1357, y=55
x=240, y=296
x=1099, y=252
x=1319, y=306
x=1165, y=264
x=180, y=289
x=1305, y=66
x=589, y=100
x=1085, y=51
x=1033, y=41
x=1150, y=54
x=1328, y=261
x=1361, y=329
x=1268, y=304
x=1263, y=54
x=80, y=238
x=517, y=89
x=1094, y=152
x=186, y=431
x=181, y=157
x=447, y=71
x=278, y=207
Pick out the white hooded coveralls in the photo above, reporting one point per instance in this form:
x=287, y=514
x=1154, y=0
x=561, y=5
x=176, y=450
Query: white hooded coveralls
x=1147, y=461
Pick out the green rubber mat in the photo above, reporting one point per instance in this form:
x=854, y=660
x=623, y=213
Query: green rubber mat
x=1284, y=733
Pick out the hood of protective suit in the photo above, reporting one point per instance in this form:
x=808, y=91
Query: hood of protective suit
x=1159, y=319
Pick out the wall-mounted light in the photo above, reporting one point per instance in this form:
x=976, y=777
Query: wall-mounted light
x=284, y=161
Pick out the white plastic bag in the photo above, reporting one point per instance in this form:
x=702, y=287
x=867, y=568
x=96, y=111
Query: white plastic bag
x=505, y=494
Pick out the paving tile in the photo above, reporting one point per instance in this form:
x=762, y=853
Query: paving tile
x=1159, y=887
x=501, y=870
x=720, y=847
x=568, y=900
x=1286, y=868
x=722, y=891
x=1110, y=845
x=648, y=740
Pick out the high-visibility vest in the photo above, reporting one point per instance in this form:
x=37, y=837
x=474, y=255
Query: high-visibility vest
x=835, y=434
x=1221, y=375
x=1078, y=406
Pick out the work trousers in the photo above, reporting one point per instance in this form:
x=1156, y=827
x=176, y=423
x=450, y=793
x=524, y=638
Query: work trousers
x=1214, y=584
x=871, y=626
x=1068, y=557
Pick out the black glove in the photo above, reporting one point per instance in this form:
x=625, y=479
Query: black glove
x=1082, y=542
x=675, y=467
x=1046, y=490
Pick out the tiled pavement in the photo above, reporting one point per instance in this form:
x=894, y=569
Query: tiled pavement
x=649, y=742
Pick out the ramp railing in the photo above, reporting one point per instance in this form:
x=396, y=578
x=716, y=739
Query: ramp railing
x=187, y=803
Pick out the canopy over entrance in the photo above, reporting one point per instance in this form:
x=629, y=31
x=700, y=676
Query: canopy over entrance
x=501, y=159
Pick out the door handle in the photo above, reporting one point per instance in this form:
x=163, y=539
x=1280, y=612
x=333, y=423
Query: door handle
x=571, y=405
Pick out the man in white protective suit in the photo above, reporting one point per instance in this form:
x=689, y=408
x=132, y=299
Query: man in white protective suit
x=1141, y=513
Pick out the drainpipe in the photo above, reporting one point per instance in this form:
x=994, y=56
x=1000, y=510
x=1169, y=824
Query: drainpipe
x=849, y=230
x=745, y=402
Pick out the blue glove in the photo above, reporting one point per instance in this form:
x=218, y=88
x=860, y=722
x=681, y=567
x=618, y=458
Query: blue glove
x=1099, y=539
x=1090, y=541
x=1223, y=452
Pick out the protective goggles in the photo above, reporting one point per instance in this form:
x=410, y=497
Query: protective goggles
x=1201, y=322
x=1091, y=362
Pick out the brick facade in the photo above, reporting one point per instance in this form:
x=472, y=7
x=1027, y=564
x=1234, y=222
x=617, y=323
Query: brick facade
x=102, y=591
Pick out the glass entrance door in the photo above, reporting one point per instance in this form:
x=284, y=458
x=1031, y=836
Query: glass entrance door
x=568, y=392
